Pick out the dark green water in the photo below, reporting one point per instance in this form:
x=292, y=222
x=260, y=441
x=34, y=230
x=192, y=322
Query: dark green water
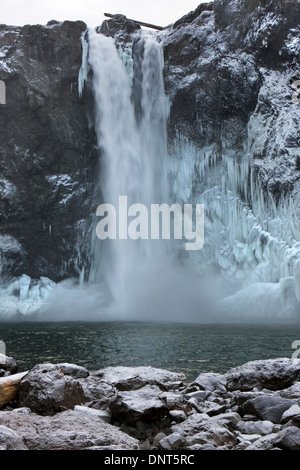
x=187, y=348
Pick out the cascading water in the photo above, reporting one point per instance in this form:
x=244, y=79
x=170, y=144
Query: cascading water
x=144, y=276
x=133, y=155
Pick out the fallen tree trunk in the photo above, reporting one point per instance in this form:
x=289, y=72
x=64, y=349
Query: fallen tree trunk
x=141, y=23
x=9, y=387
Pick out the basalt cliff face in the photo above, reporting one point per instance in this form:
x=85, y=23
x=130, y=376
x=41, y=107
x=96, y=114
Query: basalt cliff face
x=231, y=72
x=47, y=155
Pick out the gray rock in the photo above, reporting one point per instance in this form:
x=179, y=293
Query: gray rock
x=96, y=391
x=46, y=390
x=101, y=414
x=172, y=442
x=158, y=437
x=133, y=378
x=238, y=397
x=213, y=409
x=198, y=395
x=8, y=364
x=175, y=401
x=144, y=404
x=291, y=392
x=200, y=428
x=66, y=431
x=291, y=413
x=10, y=440
x=209, y=382
x=263, y=443
x=288, y=439
x=262, y=428
x=118, y=24
x=74, y=370
x=246, y=440
x=177, y=415
x=269, y=408
x=231, y=418
x=273, y=374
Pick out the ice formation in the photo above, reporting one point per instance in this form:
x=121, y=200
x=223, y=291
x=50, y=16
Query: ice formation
x=252, y=238
x=24, y=296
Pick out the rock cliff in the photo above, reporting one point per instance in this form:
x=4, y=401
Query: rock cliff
x=47, y=153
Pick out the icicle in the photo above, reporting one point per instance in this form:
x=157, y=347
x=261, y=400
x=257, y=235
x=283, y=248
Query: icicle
x=83, y=72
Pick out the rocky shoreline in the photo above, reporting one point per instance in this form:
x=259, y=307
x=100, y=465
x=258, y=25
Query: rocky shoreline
x=66, y=407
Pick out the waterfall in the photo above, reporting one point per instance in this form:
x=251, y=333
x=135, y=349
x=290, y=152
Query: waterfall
x=130, y=124
x=248, y=269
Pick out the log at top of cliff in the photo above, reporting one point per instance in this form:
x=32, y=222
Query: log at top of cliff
x=141, y=23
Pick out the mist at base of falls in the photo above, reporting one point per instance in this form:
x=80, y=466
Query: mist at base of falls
x=162, y=291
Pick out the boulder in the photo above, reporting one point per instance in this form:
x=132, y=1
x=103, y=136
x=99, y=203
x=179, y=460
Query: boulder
x=10, y=440
x=66, y=431
x=263, y=428
x=263, y=443
x=267, y=407
x=74, y=370
x=8, y=364
x=177, y=415
x=144, y=404
x=198, y=395
x=46, y=390
x=272, y=374
x=199, y=428
x=291, y=413
x=238, y=398
x=291, y=392
x=158, y=437
x=175, y=401
x=288, y=439
x=209, y=382
x=133, y=378
x=97, y=392
x=118, y=24
x=172, y=442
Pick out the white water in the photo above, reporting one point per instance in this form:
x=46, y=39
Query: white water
x=143, y=277
x=133, y=155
